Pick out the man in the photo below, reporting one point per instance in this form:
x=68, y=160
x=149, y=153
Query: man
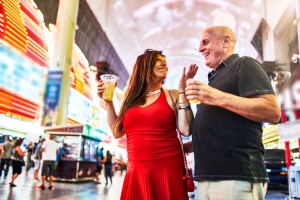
x=227, y=129
x=49, y=149
x=7, y=153
x=99, y=159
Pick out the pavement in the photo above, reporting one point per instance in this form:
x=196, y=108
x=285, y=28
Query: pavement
x=26, y=189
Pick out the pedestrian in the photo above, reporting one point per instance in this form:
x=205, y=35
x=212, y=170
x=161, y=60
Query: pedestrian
x=37, y=159
x=49, y=148
x=99, y=161
x=29, y=162
x=121, y=165
x=155, y=162
x=227, y=129
x=17, y=161
x=108, y=167
x=6, y=157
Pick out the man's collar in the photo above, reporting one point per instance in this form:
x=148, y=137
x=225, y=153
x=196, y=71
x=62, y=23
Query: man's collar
x=229, y=60
x=225, y=63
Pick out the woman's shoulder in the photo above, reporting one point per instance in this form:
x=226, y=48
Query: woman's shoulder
x=172, y=92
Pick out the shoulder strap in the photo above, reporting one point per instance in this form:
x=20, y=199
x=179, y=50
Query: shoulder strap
x=174, y=103
x=180, y=138
x=174, y=107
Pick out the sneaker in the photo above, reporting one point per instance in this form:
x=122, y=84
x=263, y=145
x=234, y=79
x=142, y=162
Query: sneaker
x=42, y=187
x=51, y=187
x=12, y=185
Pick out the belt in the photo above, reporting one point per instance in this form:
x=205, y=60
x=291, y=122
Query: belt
x=17, y=159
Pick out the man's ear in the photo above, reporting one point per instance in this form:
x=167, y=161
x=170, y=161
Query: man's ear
x=226, y=41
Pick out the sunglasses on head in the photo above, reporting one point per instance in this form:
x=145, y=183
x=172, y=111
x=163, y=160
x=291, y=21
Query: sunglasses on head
x=149, y=50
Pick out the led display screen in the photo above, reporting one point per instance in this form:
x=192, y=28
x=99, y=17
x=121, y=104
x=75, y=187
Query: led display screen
x=21, y=85
x=79, y=108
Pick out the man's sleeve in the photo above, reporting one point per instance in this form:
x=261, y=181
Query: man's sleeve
x=252, y=78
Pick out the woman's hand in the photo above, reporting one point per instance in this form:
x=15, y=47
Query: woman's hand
x=100, y=88
x=185, y=76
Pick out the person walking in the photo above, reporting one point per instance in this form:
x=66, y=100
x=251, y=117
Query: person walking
x=49, y=148
x=6, y=157
x=37, y=159
x=99, y=161
x=17, y=161
x=29, y=161
x=227, y=129
x=147, y=117
x=108, y=167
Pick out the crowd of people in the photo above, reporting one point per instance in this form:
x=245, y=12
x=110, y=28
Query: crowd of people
x=43, y=158
x=17, y=155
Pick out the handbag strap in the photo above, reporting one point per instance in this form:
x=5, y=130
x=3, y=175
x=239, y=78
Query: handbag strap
x=180, y=138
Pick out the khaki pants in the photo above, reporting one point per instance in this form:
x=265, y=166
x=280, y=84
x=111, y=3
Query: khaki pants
x=231, y=190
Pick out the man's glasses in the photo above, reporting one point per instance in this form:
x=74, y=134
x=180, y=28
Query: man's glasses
x=149, y=50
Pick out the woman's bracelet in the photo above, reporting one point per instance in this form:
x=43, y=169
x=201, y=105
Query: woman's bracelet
x=183, y=102
x=184, y=107
x=181, y=92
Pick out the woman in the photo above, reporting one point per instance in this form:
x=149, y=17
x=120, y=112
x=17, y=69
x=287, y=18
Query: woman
x=17, y=161
x=108, y=166
x=38, y=159
x=155, y=161
x=28, y=158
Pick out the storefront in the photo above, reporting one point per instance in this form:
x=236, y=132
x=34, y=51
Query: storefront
x=79, y=144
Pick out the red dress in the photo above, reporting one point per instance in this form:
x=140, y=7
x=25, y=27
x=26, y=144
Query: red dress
x=155, y=159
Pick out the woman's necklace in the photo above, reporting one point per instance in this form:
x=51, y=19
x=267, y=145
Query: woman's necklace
x=153, y=93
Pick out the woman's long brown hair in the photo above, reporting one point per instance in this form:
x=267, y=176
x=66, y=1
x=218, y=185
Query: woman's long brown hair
x=141, y=76
x=18, y=142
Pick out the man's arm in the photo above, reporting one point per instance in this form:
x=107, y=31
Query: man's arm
x=260, y=108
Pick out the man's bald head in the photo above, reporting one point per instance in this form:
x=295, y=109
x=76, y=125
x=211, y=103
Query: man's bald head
x=220, y=32
x=216, y=44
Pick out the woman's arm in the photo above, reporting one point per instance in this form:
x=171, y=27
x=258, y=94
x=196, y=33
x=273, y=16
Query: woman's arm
x=184, y=112
x=104, y=159
x=111, y=119
x=20, y=152
x=111, y=112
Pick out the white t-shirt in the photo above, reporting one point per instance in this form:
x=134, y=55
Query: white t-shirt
x=50, y=147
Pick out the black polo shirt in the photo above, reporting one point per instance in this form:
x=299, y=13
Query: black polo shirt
x=228, y=146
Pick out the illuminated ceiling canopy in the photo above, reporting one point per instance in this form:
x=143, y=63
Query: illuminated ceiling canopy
x=174, y=26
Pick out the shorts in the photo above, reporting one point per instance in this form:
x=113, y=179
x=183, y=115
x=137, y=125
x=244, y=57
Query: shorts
x=99, y=168
x=49, y=168
x=16, y=166
x=37, y=164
